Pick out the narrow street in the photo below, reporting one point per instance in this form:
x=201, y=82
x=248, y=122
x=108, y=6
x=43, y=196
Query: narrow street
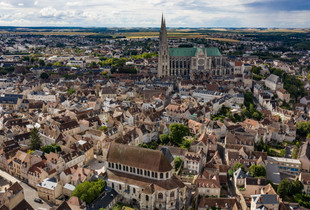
x=29, y=192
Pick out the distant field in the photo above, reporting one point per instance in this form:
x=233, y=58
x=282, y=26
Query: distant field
x=176, y=35
x=136, y=35
x=223, y=39
x=280, y=30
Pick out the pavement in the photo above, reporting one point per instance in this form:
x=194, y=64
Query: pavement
x=96, y=165
x=29, y=192
x=289, y=150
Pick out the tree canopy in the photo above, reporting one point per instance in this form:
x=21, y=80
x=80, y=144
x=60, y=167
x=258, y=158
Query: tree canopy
x=177, y=163
x=71, y=91
x=89, y=191
x=51, y=148
x=237, y=166
x=44, y=75
x=35, y=141
x=257, y=171
x=287, y=188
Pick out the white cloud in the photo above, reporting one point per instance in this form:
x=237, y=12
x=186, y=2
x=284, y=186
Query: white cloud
x=50, y=12
x=5, y=5
x=147, y=13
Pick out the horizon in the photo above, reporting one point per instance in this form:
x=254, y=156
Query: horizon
x=146, y=27
x=138, y=13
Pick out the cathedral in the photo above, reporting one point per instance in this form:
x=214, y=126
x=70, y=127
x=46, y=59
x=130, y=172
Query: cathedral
x=195, y=62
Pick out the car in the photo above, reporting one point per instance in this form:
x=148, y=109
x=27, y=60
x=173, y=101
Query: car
x=38, y=200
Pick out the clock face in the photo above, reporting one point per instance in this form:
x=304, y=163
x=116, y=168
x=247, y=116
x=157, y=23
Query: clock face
x=201, y=62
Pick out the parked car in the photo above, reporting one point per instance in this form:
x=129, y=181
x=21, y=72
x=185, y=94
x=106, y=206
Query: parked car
x=38, y=200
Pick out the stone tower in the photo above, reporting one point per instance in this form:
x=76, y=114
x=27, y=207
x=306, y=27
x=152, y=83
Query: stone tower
x=163, y=54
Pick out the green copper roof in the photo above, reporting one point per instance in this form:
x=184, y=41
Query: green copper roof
x=182, y=51
x=192, y=51
x=213, y=51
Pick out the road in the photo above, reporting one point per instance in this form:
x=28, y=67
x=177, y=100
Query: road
x=29, y=192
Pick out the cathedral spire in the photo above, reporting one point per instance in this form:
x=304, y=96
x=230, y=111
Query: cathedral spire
x=163, y=54
x=163, y=22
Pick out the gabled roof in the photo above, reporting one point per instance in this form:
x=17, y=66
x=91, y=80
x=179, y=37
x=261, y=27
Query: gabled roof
x=153, y=160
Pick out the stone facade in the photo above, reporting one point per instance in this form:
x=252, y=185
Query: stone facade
x=196, y=62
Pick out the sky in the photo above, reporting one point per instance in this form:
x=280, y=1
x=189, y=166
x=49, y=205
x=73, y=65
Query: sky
x=147, y=13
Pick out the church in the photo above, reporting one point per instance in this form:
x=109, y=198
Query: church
x=195, y=62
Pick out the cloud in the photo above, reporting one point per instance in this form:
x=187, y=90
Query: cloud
x=147, y=13
x=5, y=5
x=49, y=12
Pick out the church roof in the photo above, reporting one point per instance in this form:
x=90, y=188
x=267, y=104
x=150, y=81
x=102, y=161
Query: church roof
x=191, y=52
x=153, y=160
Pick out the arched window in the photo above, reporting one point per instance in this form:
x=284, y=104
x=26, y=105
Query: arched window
x=172, y=194
x=146, y=197
x=160, y=196
x=161, y=175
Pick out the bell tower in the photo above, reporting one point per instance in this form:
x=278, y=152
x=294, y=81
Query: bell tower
x=163, y=54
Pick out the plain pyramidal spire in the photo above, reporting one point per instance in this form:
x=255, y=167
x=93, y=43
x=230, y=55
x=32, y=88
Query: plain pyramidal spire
x=163, y=21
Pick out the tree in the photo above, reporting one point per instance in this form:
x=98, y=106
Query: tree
x=283, y=188
x=35, y=141
x=51, y=148
x=177, y=132
x=93, y=64
x=164, y=139
x=260, y=145
x=303, y=128
x=177, y=163
x=41, y=63
x=237, y=166
x=71, y=91
x=103, y=128
x=287, y=188
x=257, y=171
x=295, y=153
x=296, y=187
x=256, y=69
x=57, y=64
x=89, y=191
x=44, y=75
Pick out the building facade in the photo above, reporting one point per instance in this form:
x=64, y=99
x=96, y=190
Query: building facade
x=144, y=177
x=196, y=62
